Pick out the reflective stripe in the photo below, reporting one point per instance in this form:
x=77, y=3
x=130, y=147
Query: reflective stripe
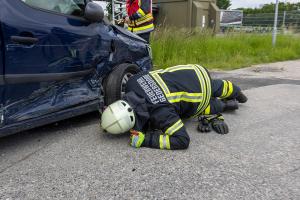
x=146, y=18
x=140, y=11
x=142, y=29
x=202, y=97
x=207, y=110
x=159, y=71
x=225, y=87
x=178, y=99
x=184, y=96
x=160, y=82
x=202, y=86
x=161, y=142
x=179, y=67
x=230, y=89
x=174, y=68
x=142, y=20
x=208, y=85
x=176, y=96
x=164, y=142
x=168, y=144
x=205, y=87
x=175, y=127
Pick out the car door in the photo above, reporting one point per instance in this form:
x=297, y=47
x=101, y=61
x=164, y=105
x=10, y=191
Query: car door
x=49, y=54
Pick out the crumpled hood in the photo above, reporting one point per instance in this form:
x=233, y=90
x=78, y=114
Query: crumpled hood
x=128, y=33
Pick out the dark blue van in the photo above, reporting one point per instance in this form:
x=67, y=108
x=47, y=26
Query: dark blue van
x=59, y=59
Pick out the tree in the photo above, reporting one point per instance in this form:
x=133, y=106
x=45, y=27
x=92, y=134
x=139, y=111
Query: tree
x=270, y=8
x=223, y=4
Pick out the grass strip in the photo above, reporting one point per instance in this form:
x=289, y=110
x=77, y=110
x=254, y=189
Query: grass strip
x=229, y=51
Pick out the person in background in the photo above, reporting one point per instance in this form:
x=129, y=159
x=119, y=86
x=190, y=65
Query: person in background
x=139, y=18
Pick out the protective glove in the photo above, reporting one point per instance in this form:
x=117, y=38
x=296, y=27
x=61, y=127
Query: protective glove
x=219, y=125
x=203, y=125
x=136, y=138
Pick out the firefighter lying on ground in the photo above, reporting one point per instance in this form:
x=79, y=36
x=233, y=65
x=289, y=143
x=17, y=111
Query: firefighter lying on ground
x=158, y=100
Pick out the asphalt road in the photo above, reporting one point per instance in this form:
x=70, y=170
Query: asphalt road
x=258, y=159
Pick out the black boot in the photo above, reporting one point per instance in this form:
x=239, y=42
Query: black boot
x=231, y=105
x=241, y=98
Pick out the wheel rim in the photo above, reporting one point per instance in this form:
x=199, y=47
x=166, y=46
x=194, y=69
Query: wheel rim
x=124, y=81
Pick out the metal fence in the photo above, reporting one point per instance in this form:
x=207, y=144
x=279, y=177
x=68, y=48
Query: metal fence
x=264, y=22
x=118, y=10
x=115, y=10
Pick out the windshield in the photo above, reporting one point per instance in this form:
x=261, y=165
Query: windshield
x=69, y=7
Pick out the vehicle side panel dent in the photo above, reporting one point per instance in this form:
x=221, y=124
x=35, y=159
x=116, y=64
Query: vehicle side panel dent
x=53, y=97
x=102, y=53
x=64, y=46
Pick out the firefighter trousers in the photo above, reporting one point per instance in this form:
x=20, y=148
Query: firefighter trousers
x=221, y=90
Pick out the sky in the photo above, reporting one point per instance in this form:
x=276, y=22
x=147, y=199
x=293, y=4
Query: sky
x=255, y=3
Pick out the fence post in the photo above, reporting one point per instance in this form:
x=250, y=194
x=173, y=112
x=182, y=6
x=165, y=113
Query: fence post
x=275, y=24
x=284, y=16
x=113, y=11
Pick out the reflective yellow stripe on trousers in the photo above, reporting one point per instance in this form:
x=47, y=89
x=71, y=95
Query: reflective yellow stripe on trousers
x=227, y=89
x=230, y=89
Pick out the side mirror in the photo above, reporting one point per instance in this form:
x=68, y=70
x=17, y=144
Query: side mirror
x=93, y=12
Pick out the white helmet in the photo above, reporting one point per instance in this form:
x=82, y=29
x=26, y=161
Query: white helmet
x=118, y=117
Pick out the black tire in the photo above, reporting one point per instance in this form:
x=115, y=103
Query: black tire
x=116, y=81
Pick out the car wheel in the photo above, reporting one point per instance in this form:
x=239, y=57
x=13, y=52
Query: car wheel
x=116, y=81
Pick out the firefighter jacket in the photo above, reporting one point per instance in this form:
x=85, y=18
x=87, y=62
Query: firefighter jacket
x=140, y=15
x=162, y=98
